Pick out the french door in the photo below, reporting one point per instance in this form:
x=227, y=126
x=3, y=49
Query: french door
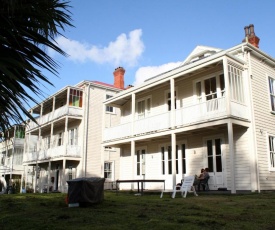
x=215, y=163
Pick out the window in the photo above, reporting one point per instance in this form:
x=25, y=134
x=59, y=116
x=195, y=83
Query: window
x=272, y=92
x=177, y=160
x=143, y=107
x=222, y=85
x=108, y=171
x=20, y=132
x=166, y=160
x=169, y=100
x=169, y=160
x=59, y=139
x=214, y=155
x=272, y=152
x=210, y=155
x=73, y=135
x=70, y=172
x=109, y=109
x=210, y=88
x=209, y=91
x=163, y=160
x=47, y=142
x=75, y=98
x=183, y=159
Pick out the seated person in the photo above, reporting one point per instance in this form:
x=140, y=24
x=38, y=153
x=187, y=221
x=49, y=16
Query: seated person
x=198, y=178
x=204, y=179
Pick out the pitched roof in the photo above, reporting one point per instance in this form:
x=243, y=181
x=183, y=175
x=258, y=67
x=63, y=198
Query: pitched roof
x=200, y=52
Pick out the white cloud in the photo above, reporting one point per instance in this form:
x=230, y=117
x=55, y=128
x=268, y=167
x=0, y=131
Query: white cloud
x=144, y=73
x=124, y=50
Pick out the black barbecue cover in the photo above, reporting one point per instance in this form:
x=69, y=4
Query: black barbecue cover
x=86, y=190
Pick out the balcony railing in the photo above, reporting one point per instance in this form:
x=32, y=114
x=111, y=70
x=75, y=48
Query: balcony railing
x=56, y=152
x=205, y=111
x=75, y=111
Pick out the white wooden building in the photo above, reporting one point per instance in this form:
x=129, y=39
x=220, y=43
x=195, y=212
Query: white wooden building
x=11, y=156
x=66, y=141
x=220, y=115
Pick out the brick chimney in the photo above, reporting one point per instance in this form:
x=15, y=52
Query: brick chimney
x=119, y=77
x=250, y=36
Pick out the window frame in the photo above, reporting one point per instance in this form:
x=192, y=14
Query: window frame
x=147, y=108
x=271, y=102
x=73, y=140
x=166, y=162
x=219, y=91
x=270, y=162
x=59, y=138
x=76, y=98
x=167, y=98
x=107, y=107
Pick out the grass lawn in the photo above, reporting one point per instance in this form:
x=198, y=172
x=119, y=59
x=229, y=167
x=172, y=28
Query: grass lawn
x=127, y=211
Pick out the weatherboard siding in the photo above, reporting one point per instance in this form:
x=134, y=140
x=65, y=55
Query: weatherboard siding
x=264, y=120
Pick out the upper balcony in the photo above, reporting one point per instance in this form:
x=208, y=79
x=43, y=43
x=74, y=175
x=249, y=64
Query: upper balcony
x=202, y=112
x=207, y=90
x=63, y=151
x=60, y=112
x=66, y=102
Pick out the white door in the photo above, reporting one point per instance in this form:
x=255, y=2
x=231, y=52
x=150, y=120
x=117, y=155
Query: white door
x=141, y=166
x=215, y=163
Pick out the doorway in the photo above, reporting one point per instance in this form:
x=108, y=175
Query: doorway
x=215, y=163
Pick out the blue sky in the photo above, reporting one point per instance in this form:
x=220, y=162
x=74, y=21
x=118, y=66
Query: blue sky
x=148, y=36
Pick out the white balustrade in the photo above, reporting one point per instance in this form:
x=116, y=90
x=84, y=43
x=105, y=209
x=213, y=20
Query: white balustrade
x=117, y=132
x=152, y=123
x=64, y=110
x=58, y=151
x=209, y=110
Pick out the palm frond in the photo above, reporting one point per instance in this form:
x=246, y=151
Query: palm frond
x=27, y=27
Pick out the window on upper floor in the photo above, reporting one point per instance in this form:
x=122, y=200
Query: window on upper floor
x=47, y=142
x=143, y=107
x=59, y=139
x=73, y=136
x=169, y=100
x=210, y=88
x=75, y=98
x=20, y=132
x=271, y=153
x=109, y=109
x=271, y=82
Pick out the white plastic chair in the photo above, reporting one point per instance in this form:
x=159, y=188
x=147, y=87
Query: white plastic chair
x=187, y=186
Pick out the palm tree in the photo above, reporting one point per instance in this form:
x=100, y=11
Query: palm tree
x=27, y=29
